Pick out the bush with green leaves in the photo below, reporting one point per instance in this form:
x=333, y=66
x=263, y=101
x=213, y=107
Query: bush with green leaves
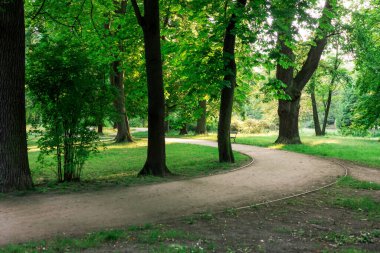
x=252, y=126
x=64, y=84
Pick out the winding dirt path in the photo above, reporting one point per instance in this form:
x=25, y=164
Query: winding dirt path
x=273, y=174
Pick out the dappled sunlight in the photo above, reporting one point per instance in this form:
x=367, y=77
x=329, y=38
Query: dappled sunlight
x=324, y=141
x=33, y=149
x=126, y=145
x=117, y=176
x=277, y=146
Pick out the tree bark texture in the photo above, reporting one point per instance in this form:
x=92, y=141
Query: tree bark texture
x=14, y=167
x=227, y=93
x=156, y=158
x=122, y=124
x=317, y=126
x=288, y=110
x=201, y=121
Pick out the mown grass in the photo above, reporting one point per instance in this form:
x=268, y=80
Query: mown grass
x=359, y=150
x=364, y=151
x=120, y=163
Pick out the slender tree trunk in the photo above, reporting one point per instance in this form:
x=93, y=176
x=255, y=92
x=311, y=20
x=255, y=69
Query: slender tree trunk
x=183, y=130
x=156, y=158
x=227, y=96
x=317, y=125
x=201, y=122
x=117, y=80
x=327, y=111
x=14, y=166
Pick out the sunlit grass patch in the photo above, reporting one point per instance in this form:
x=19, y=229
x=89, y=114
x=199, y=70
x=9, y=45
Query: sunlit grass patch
x=119, y=164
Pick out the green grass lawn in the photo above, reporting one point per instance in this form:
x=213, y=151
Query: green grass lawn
x=120, y=163
x=364, y=151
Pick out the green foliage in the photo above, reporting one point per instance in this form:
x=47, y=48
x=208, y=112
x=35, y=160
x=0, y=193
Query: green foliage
x=365, y=35
x=252, y=126
x=64, y=85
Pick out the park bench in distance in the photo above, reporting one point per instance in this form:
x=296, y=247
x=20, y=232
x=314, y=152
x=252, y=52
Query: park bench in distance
x=233, y=135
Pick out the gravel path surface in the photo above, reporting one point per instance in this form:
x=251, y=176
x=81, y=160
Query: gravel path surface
x=273, y=174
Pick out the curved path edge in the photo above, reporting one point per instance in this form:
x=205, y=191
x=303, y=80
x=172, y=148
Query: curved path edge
x=274, y=174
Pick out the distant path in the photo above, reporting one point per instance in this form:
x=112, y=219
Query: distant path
x=273, y=174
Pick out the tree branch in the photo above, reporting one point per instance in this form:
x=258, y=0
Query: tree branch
x=315, y=52
x=140, y=18
x=39, y=10
x=56, y=20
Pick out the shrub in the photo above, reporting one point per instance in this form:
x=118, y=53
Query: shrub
x=62, y=81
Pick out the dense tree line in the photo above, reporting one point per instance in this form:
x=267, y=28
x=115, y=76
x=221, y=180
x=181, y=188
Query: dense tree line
x=176, y=63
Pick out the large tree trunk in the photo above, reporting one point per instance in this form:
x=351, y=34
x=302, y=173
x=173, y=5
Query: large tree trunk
x=201, y=122
x=227, y=96
x=156, y=158
x=327, y=111
x=317, y=125
x=14, y=166
x=117, y=80
x=289, y=110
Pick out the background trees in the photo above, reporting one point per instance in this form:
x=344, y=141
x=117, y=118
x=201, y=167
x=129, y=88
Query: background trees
x=205, y=63
x=365, y=35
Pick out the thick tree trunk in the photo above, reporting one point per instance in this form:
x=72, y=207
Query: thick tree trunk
x=227, y=96
x=117, y=80
x=317, y=126
x=156, y=158
x=201, y=122
x=14, y=166
x=288, y=111
x=327, y=111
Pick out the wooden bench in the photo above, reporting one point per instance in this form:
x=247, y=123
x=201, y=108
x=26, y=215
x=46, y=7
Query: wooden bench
x=233, y=135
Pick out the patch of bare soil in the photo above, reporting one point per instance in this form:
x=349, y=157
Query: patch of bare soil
x=312, y=223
